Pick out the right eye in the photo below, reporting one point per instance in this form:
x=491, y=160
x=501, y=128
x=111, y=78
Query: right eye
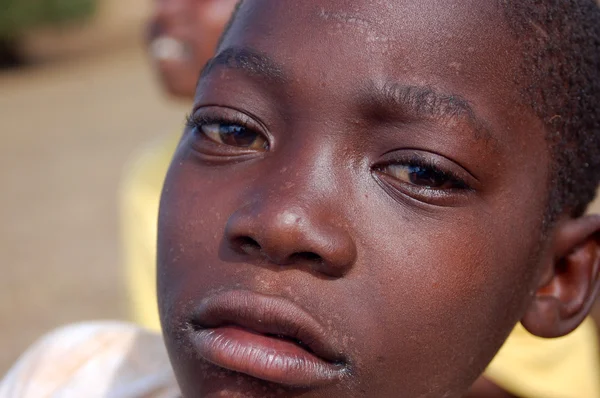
x=232, y=134
x=217, y=131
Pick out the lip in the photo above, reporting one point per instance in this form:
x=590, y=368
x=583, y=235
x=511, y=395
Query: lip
x=266, y=337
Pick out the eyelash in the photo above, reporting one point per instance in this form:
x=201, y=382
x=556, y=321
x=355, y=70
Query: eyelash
x=194, y=121
x=417, y=161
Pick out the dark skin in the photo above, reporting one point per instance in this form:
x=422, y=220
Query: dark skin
x=370, y=174
x=203, y=21
x=484, y=388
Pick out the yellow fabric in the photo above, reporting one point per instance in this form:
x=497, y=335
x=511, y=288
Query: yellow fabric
x=139, y=202
x=532, y=367
x=527, y=366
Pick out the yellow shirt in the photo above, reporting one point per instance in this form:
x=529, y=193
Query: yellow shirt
x=527, y=366
x=565, y=367
x=139, y=202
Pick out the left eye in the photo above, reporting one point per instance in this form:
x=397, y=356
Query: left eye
x=422, y=176
x=234, y=135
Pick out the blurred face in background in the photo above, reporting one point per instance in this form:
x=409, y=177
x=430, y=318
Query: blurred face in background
x=183, y=35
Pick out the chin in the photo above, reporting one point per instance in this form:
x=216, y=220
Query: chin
x=177, y=90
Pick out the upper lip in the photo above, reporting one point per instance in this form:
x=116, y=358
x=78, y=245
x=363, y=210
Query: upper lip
x=267, y=315
x=156, y=31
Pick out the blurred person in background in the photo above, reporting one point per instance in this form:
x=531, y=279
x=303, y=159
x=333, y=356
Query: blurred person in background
x=182, y=37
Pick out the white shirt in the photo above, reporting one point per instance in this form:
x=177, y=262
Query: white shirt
x=93, y=360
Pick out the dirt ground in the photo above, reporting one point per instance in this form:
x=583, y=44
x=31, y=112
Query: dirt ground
x=66, y=131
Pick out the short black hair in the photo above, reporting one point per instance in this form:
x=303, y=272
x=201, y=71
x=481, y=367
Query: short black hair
x=561, y=83
x=561, y=70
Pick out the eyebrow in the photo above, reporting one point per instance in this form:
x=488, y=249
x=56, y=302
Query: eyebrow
x=247, y=59
x=413, y=101
x=425, y=102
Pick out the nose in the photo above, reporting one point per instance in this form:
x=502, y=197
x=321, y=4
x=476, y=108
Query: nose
x=168, y=10
x=292, y=234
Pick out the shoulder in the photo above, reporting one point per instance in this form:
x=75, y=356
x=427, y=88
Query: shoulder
x=94, y=360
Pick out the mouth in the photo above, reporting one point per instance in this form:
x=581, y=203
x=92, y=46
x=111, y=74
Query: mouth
x=169, y=49
x=268, y=338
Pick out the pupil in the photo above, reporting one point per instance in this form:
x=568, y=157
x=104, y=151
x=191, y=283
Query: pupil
x=423, y=176
x=236, y=136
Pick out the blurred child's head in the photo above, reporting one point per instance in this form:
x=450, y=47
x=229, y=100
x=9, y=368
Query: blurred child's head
x=183, y=35
x=371, y=194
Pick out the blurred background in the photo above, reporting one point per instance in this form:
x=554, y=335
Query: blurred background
x=77, y=98
x=70, y=117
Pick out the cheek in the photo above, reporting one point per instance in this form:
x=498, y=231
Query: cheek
x=195, y=206
x=218, y=11
x=190, y=227
x=448, y=290
x=210, y=22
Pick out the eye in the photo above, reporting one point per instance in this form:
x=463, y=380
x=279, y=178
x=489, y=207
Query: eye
x=424, y=176
x=414, y=175
x=233, y=134
x=224, y=133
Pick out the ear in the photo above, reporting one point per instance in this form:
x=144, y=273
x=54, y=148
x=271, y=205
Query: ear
x=571, y=280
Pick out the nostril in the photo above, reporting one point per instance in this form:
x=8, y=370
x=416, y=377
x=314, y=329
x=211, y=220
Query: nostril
x=246, y=245
x=308, y=257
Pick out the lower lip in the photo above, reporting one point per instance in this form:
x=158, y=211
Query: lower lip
x=171, y=67
x=263, y=357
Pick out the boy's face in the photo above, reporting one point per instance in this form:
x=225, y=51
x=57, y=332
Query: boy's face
x=359, y=211
x=183, y=35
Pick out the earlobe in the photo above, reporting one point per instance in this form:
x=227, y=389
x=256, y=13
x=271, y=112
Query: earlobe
x=567, y=291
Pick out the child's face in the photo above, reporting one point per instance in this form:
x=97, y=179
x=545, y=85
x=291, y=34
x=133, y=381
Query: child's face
x=363, y=179
x=182, y=37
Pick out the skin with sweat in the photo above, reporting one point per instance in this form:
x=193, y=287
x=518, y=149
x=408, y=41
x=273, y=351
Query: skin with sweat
x=365, y=180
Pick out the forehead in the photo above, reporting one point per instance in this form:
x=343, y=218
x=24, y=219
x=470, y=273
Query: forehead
x=458, y=38
x=456, y=47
